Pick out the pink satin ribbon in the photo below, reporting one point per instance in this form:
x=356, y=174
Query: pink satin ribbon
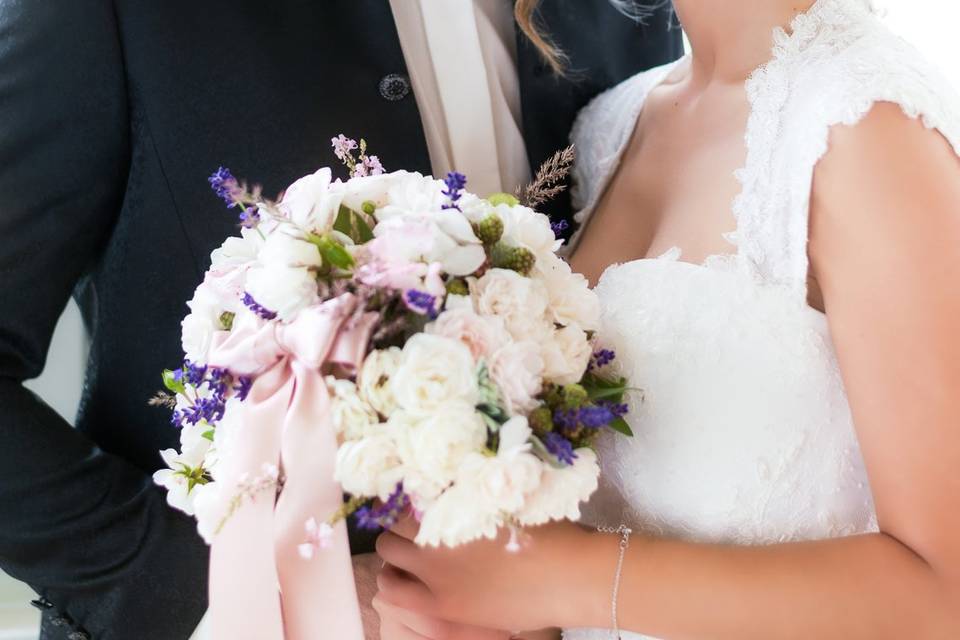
x=261, y=588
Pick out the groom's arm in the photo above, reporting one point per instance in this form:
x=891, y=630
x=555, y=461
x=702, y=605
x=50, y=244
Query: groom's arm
x=88, y=531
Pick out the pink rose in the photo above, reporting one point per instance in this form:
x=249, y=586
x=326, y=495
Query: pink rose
x=517, y=370
x=482, y=334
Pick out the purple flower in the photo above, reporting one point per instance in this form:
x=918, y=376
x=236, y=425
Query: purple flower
x=559, y=228
x=566, y=419
x=456, y=182
x=258, y=309
x=343, y=146
x=596, y=417
x=193, y=374
x=225, y=186
x=373, y=165
x=250, y=218
x=244, y=384
x=421, y=302
x=560, y=447
x=385, y=515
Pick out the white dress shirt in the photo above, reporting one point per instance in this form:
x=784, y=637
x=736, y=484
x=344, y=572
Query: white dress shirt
x=461, y=56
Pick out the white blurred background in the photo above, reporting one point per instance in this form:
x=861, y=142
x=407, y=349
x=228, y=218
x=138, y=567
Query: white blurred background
x=932, y=25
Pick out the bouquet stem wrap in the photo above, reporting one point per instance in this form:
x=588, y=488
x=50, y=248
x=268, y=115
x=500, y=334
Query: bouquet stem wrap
x=260, y=586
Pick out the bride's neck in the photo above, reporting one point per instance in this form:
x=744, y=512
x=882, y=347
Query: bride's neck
x=731, y=38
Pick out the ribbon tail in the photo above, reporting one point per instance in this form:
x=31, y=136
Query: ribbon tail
x=319, y=596
x=244, y=596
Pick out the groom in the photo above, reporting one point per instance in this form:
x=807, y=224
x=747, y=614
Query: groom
x=112, y=113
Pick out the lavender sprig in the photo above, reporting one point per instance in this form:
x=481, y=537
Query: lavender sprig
x=383, y=516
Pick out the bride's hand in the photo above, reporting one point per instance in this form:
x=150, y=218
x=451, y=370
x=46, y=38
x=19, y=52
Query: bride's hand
x=402, y=624
x=562, y=576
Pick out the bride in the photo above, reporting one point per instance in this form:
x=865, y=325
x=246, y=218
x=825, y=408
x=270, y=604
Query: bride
x=796, y=466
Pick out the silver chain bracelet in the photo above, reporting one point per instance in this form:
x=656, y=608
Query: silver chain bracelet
x=624, y=532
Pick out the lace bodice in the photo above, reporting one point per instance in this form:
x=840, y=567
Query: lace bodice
x=744, y=433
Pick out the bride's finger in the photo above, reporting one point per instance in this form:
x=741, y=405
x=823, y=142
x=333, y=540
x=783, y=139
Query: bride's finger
x=398, y=551
x=404, y=591
x=406, y=527
x=427, y=627
x=393, y=630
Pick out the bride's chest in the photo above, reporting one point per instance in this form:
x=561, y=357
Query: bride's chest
x=743, y=431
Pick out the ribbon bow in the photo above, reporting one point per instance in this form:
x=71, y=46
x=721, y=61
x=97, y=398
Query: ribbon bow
x=261, y=588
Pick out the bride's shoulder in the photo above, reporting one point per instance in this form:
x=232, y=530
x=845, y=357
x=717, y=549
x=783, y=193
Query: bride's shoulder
x=847, y=71
x=605, y=124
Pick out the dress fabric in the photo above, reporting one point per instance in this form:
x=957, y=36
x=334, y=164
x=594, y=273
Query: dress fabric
x=744, y=433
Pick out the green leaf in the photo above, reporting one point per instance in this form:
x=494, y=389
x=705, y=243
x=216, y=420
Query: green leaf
x=603, y=389
x=353, y=224
x=333, y=253
x=172, y=384
x=620, y=426
x=342, y=223
x=503, y=198
x=209, y=435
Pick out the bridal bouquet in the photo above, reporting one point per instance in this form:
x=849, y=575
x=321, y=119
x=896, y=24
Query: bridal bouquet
x=396, y=336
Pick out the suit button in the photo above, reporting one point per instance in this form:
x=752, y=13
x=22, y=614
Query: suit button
x=78, y=635
x=394, y=87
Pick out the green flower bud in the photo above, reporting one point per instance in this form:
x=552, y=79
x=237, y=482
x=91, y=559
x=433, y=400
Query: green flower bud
x=490, y=229
x=369, y=207
x=517, y=259
x=541, y=420
x=574, y=396
x=458, y=287
x=503, y=198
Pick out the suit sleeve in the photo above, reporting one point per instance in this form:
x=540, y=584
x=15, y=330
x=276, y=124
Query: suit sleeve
x=88, y=531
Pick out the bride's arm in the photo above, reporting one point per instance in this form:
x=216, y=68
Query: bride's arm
x=885, y=249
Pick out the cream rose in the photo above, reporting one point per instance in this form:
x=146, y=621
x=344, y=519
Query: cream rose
x=571, y=299
x=371, y=466
x=313, y=202
x=283, y=290
x=482, y=334
x=517, y=370
x=561, y=491
x=433, y=371
x=521, y=302
x=374, y=379
x=566, y=354
x=351, y=416
x=198, y=328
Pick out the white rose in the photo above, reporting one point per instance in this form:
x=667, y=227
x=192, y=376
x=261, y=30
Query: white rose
x=375, y=189
x=445, y=238
x=370, y=466
x=474, y=208
x=517, y=370
x=433, y=371
x=561, y=491
x=524, y=227
x=313, y=202
x=198, y=328
x=374, y=379
x=414, y=193
x=485, y=491
x=520, y=301
x=566, y=354
x=482, y=334
x=351, y=416
x=283, y=250
x=434, y=447
x=283, y=290
x=236, y=251
x=571, y=299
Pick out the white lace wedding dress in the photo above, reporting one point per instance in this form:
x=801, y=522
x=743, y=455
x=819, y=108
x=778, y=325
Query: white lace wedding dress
x=745, y=435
